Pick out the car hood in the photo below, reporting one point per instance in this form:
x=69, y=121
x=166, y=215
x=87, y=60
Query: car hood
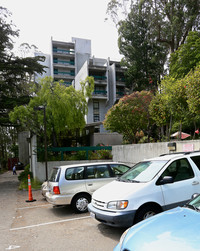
x=116, y=190
x=177, y=229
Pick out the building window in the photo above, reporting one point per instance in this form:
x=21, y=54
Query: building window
x=96, y=116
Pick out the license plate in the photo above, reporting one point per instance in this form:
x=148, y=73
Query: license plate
x=92, y=215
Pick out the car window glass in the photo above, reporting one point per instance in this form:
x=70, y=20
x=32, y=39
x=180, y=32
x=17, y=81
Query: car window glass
x=119, y=169
x=100, y=171
x=143, y=171
x=54, y=175
x=179, y=170
x=196, y=160
x=75, y=173
x=195, y=202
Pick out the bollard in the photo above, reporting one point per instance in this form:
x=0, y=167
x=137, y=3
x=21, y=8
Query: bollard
x=29, y=190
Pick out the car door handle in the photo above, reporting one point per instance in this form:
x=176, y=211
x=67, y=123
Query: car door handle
x=90, y=184
x=195, y=183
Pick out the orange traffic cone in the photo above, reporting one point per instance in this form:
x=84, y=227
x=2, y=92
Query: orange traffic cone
x=30, y=190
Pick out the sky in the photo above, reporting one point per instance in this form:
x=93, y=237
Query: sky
x=39, y=20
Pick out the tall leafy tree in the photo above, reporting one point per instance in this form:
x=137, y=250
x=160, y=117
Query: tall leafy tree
x=187, y=57
x=149, y=31
x=172, y=19
x=144, y=58
x=133, y=111
x=16, y=74
x=65, y=108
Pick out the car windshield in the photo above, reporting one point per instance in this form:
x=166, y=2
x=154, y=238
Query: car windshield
x=195, y=203
x=143, y=171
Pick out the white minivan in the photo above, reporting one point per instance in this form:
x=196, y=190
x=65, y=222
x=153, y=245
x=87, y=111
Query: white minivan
x=150, y=187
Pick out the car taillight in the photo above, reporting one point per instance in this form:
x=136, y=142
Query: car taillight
x=56, y=190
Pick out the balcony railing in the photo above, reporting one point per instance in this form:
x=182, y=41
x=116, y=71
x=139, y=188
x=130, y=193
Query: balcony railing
x=64, y=73
x=120, y=79
x=62, y=51
x=63, y=62
x=97, y=92
x=99, y=77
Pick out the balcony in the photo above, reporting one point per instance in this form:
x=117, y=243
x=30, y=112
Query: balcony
x=63, y=51
x=99, y=79
x=64, y=75
x=119, y=94
x=63, y=62
x=100, y=94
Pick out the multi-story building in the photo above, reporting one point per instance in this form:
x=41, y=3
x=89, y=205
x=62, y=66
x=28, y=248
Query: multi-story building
x=72, y=62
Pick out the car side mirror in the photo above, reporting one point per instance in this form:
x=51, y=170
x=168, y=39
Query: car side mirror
x=194, y=195
x=165, y=180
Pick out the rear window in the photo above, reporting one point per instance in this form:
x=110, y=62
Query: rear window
x=54, y=175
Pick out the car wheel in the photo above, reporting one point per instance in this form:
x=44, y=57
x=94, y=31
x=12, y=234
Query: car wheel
x=80, y=203
x=146, y=212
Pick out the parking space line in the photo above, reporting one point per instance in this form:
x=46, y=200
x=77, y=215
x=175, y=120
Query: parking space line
x=49, y=223
x=44, y=205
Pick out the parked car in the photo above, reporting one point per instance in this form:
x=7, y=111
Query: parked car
x=175, y=230
x=150, y=187
x=44, y=188
x=74, y=184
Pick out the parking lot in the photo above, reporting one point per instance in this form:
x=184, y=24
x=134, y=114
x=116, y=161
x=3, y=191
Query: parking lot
x=40, y=226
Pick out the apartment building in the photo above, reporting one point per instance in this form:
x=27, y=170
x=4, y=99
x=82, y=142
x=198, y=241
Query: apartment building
x=72, y=62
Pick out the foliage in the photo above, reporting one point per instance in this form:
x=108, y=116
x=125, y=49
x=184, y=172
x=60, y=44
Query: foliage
x=192, y=86
x=144, y=57
x=178, y=100
x=187, y=57
x=100, y=154
x=16, y=73
x=23, y=178
x=133, y=113
x=24, y=175
x=64, y=108
x=171, y=20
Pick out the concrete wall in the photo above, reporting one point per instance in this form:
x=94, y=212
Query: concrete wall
x=129, y=154
x=132, y=154
x=81, y=76
x=23, y=147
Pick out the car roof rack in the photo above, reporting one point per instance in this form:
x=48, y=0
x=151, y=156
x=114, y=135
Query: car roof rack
x=185, y=153
x=171, y=153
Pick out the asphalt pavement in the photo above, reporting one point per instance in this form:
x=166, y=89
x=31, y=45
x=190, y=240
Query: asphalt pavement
x=36, y=226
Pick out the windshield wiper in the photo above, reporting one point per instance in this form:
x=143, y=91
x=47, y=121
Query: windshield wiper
x=192, y=207
x=127, y=180
x=132, y=181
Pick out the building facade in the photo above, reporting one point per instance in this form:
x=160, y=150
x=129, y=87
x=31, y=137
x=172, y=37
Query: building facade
x=72, y=62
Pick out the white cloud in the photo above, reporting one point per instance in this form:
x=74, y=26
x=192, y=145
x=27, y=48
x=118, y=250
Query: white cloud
x=166, y=242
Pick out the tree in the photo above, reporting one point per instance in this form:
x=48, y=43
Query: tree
x=15, y=73
x=192, y=86
x=187, y=57
x=65, y=108
x=134, y=116
x=172, y=20
x=173, y=104
x=144, y=58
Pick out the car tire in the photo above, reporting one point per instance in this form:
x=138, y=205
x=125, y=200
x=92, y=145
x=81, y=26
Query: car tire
x=146, y=212
x=80, y=203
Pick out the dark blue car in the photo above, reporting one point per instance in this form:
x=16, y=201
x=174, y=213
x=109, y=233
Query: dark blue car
x=174, y=230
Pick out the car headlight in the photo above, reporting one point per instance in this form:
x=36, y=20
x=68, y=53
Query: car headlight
x=123, y=237
x=119, y=204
